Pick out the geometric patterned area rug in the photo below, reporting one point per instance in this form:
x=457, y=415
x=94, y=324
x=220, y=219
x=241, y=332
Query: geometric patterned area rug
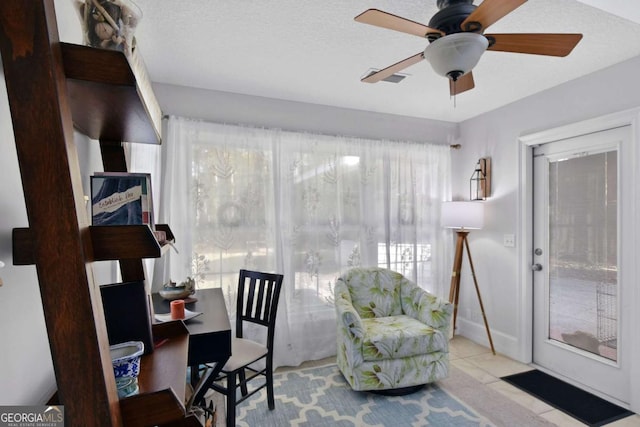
x=319, y=396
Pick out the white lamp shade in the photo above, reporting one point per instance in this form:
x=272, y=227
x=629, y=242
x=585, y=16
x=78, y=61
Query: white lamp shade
x=456, y=53
x=463, y=215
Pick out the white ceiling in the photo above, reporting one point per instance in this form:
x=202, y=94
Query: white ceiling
x=314, y=52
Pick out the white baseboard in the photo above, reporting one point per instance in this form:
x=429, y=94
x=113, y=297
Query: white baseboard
x=506, y=345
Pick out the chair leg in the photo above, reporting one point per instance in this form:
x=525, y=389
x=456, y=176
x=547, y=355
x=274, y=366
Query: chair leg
x=231, y=399
x=269, y=376
x=243, y=381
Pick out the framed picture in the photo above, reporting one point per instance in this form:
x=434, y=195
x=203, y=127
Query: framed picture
x=120, y=198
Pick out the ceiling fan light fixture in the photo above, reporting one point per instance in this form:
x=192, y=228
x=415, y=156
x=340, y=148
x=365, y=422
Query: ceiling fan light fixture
x=456, y=54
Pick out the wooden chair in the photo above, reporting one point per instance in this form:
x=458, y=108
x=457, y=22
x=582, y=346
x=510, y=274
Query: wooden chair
x=257, y=303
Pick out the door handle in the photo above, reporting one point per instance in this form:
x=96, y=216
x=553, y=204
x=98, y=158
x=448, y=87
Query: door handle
x=536, y=267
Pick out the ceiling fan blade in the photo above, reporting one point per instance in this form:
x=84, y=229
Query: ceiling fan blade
x=398, y=66
x=463, y=84
x=536, y=44
x=392, y=22
x=488, y=12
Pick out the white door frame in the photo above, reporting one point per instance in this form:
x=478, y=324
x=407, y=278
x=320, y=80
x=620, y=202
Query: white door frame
x=525, y=227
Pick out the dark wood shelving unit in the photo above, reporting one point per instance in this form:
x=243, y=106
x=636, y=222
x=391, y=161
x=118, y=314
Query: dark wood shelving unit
x=110, y=95
x=52, y=88
x=109, y=243
x=161, y=380
x=126, y=242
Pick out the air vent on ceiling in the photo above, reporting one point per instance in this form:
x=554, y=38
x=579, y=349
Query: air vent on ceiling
x=393, y=78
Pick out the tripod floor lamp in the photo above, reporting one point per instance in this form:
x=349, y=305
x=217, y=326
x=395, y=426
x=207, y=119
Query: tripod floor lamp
x=463, y=217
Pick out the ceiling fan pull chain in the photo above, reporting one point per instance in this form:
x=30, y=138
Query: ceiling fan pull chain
x=455, y=82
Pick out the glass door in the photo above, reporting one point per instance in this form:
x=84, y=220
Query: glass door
x=577, y=262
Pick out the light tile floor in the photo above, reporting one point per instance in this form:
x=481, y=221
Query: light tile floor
x=478, y=362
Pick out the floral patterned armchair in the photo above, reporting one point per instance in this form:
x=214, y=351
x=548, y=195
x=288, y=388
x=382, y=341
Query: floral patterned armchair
x=392, y=334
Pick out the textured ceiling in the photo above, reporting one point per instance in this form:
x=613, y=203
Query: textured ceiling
x=313, y=51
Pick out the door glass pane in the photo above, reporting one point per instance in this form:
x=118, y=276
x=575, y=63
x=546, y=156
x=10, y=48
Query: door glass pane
x=583, y=256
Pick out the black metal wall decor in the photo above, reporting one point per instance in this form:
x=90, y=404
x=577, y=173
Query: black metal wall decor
x=480, y=182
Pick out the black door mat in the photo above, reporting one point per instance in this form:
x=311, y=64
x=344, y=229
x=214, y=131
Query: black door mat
x=583, y=406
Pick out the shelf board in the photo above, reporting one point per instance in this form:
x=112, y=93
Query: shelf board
x=162, y=380
x=166, y=367
x=110, y=95
x=23, y=247
x=167, y=230
x=112, y=242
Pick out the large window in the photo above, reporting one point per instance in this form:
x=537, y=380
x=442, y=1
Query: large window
x=310, y=207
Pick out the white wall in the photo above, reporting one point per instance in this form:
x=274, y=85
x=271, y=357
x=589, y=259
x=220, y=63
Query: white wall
x=225, y=107
x=495, y=134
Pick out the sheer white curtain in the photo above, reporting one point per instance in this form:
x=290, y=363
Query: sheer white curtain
x=308, y=206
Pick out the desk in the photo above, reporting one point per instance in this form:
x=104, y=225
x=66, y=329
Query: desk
x=209, y=333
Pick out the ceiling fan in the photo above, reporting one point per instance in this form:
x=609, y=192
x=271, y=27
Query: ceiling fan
x=457, y=40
